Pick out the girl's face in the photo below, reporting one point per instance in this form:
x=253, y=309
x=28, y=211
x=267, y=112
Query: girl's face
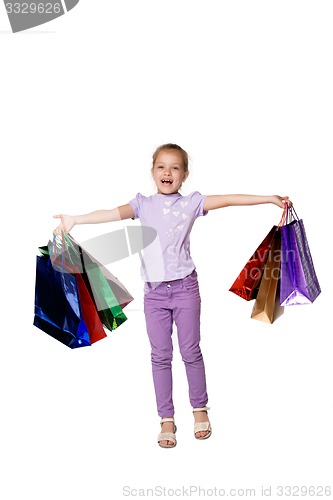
x=168, y=172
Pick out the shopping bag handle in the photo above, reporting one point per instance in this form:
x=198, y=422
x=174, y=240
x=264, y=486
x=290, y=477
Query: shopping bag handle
x=288, y=215
x=53, y=252
x=284, y=215
x=291, y=214
x=67, y=238
x=63, y=247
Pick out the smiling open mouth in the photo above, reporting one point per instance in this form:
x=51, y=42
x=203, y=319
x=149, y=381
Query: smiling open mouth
x=166, y=181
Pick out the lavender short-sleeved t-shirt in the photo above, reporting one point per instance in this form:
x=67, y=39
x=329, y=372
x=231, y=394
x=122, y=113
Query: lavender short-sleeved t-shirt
x=172, y=216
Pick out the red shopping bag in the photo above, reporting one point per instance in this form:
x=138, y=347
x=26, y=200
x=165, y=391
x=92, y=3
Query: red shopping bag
x=89, y=312
x=247, y=283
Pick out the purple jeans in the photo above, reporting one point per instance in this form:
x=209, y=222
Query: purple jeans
x=175, y=301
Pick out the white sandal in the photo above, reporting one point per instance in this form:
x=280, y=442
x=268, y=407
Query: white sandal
x=202, y=426
x=167, y=436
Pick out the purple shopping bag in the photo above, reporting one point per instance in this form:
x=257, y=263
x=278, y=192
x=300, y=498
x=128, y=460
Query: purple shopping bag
x=298, y=279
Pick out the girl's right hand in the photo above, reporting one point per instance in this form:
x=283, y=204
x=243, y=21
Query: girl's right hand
x=67, y=223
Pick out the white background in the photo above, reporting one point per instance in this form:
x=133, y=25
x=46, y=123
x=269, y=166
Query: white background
x=246, y=88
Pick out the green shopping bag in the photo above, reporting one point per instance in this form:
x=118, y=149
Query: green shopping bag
x=109, y=310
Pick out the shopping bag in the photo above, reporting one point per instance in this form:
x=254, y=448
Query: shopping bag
x=121, y=294
x=247, y=283
x=265, y=302
x=101, y=284
x=299, y=282
x=108, y=308
x=57, y=306
x=89, y=313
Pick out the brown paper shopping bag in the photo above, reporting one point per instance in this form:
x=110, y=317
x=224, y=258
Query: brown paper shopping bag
x=265, y=303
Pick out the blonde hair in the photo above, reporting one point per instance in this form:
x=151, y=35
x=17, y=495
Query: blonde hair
x=172, y=147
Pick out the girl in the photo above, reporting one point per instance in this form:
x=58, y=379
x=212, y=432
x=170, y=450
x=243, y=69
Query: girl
x=171, y=285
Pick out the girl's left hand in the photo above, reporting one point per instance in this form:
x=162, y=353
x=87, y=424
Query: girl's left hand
x=280, y=201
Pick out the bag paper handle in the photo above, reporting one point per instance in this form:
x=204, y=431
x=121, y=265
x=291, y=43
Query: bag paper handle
x=284, y=215
x=291, y=214
x=288, y=215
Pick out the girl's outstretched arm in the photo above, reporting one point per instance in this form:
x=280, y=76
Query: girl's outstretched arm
x=228, y=200
x=69, y=221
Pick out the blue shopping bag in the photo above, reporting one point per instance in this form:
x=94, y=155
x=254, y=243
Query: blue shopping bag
x=57, y=306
